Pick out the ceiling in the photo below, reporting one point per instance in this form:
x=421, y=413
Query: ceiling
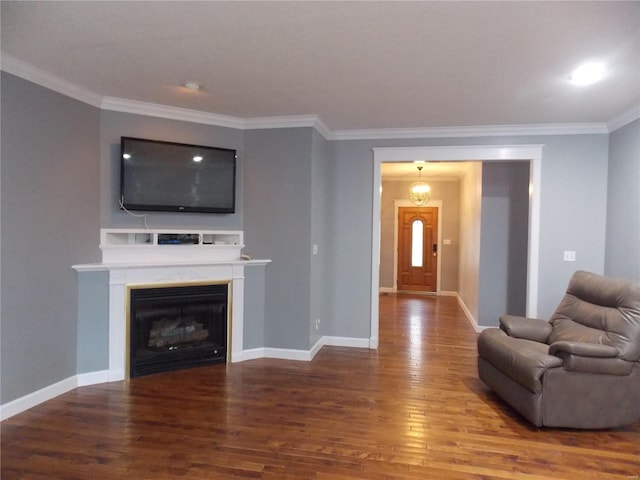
x=356, y=65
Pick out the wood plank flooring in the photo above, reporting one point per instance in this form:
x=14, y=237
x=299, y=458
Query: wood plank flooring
x=413, y=409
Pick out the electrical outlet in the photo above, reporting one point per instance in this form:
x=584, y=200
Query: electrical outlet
x=569, y=256
x=317, y=323
x=315, y=249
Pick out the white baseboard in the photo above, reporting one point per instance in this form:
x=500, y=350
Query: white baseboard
x=448, y=293
x=288, y=354
x=93, y=378
x=306, y=355
x=30, y=400
x=353, y=342
x=470, y=317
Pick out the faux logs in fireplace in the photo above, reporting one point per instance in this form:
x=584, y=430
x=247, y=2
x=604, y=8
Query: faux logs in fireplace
x=172, y=328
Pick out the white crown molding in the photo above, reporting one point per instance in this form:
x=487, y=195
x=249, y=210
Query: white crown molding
x=285, y=121
x=624, y=119
x=174, y=113
x=458, y=153
x=23, y=70
x=472, y=131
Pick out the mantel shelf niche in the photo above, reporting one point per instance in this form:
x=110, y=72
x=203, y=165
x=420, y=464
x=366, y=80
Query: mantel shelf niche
x=124, y=245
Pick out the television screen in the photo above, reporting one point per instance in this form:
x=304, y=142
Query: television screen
x=176, y=177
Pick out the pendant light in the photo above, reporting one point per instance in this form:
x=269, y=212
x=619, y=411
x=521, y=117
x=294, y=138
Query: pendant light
x=419, y=191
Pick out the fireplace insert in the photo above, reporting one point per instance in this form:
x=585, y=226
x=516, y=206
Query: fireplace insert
x=172, y=328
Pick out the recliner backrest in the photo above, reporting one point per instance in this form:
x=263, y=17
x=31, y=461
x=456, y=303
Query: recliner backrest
x=601, y=310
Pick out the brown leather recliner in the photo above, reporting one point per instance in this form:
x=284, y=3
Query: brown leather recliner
x=581, y=369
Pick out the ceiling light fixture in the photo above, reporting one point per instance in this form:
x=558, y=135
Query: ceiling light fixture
x=587, y=73
x=192, y=86
x=419, y=191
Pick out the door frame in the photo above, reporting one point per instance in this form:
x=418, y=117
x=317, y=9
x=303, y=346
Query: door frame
x=407, y=203
x=460, y=153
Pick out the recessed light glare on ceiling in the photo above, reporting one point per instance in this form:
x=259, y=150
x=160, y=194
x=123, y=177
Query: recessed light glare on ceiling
x=587, y=74
x=192, y=86
x=126, y=156
x=197, y=158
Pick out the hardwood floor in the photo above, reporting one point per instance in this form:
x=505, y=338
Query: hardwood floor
x=413, y=409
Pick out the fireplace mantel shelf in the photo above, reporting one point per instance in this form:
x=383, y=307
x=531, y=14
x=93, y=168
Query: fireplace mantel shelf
x=100, y=267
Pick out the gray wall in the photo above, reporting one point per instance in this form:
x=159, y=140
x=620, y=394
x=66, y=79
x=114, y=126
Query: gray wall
x=277, y=221
x=93, y=322
x=573, y=212
x=321, y=207
x=503, y=241
x=50, y=220
x=254, y=302
x=449, y=193
x=622, y=257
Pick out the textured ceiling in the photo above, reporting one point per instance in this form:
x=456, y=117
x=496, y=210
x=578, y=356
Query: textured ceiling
x=358, y=65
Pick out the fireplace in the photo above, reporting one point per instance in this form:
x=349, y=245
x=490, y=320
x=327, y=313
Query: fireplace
x=177, y=327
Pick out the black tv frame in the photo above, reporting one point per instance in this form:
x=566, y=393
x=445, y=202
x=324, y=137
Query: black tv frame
x=159, y=207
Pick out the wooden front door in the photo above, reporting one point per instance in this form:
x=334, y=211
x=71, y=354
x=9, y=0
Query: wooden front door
x=417, y=248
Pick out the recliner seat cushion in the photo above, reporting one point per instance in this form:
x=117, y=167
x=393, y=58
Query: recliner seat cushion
x=522, y=360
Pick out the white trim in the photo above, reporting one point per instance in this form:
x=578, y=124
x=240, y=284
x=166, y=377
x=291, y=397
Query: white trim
x=533, y=254
x=472, y=131
x=624, y=119
x=287, y=121
x=533, y=153
x=352, y=342
x=278, y=353
x=23, y=70
x=437, y=203
x=448, y=293
x=472, y=321
x=305, y=355
x=30, y=400
x=288, y=354
x=172, y=113
x=457, y=153
x=45, y=79
x=93, y=378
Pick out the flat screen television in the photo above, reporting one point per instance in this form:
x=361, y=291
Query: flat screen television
x=176, y=177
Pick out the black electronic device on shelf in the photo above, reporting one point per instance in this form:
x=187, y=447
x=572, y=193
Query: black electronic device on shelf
x=178, y=239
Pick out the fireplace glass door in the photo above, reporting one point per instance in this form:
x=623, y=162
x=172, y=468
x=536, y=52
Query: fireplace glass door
x=172, y=328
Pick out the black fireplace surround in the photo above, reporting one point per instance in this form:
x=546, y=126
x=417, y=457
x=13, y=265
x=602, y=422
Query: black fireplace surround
x=177, y=327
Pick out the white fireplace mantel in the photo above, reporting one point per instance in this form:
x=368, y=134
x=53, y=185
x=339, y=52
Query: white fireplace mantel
x=122, y=276
x=215, y=258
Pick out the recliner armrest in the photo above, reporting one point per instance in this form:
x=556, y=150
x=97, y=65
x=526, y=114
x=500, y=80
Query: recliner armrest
x=590, y=358
x=583, y=349
x=526, y=328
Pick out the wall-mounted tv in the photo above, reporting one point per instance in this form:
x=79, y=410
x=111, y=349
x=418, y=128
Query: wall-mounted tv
x=176, y=177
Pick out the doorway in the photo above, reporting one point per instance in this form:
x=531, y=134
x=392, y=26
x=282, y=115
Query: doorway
x=417, y=264
x=488, y=153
